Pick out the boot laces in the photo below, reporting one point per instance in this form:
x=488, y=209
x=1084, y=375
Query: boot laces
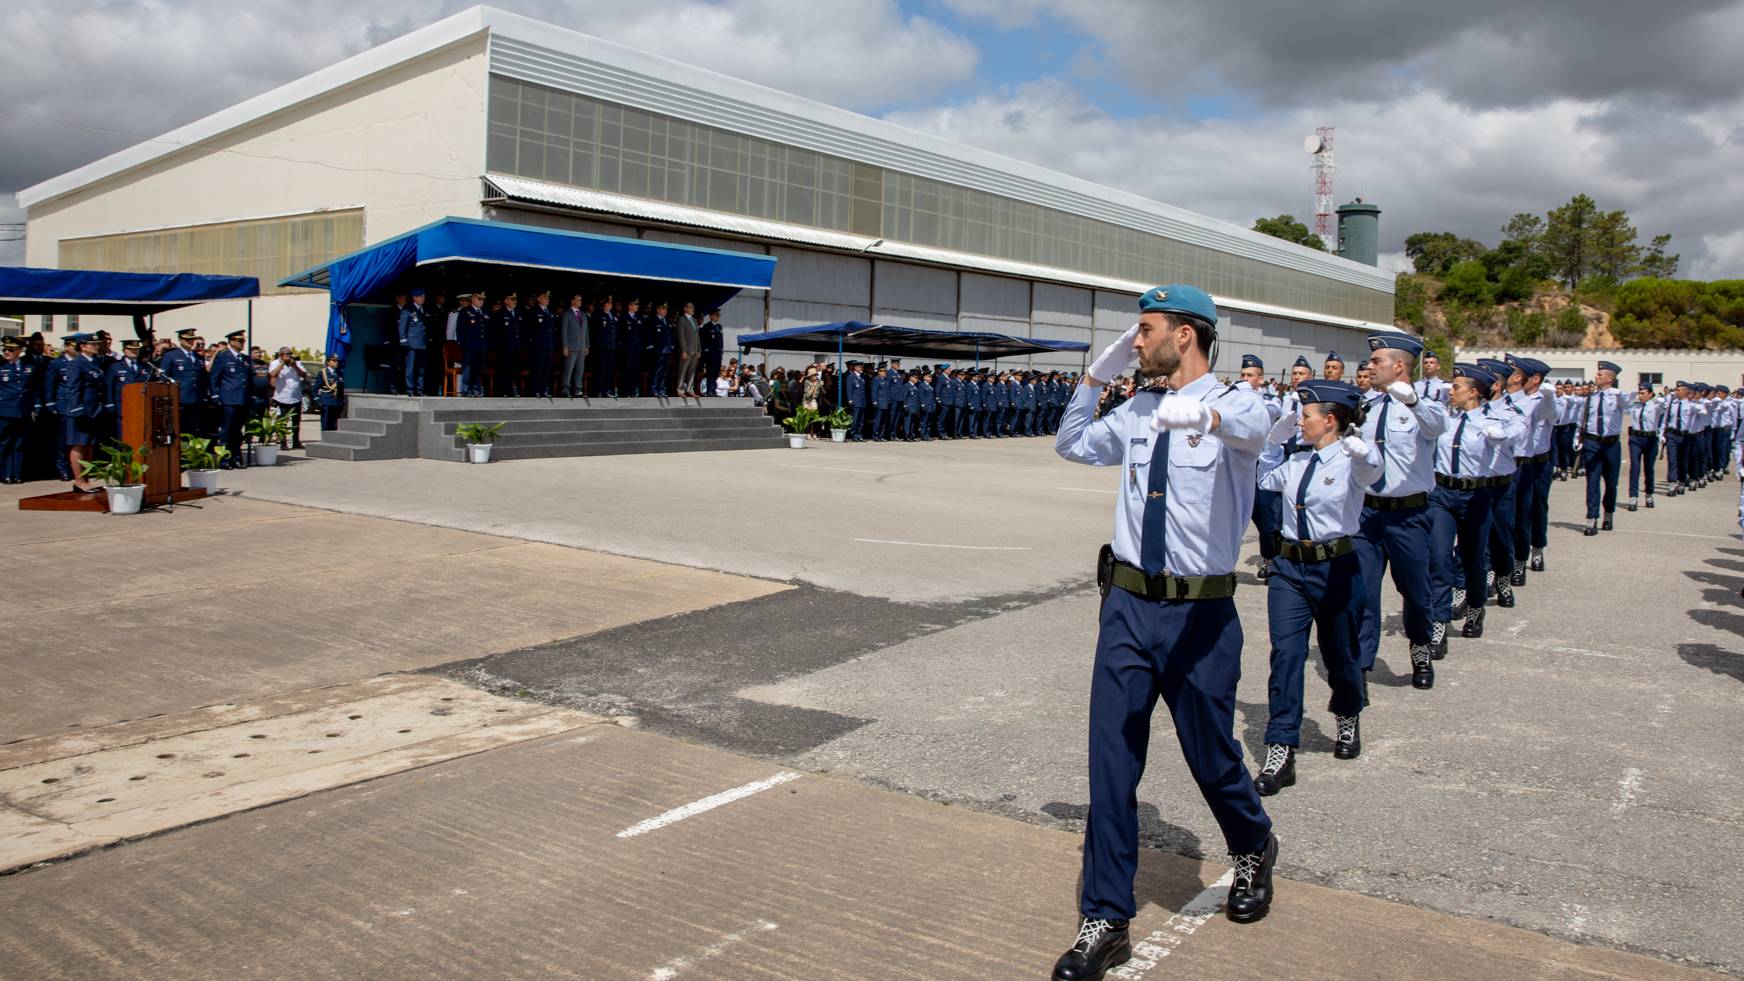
x=1421, y=654
x=1088, y=931
x=1277, y=755
x=1504, y=588
x=1459, y=597
x=1247, y=868
x=1437, y=631
x=1346, y=728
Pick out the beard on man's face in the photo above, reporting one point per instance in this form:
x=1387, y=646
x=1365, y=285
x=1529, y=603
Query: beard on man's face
x=1159, y=363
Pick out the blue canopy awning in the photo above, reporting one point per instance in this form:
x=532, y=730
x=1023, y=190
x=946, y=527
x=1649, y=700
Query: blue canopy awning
x=466, y=254
x=890, y=340
x=24, y=289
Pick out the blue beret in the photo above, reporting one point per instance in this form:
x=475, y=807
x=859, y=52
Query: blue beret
x=1189, y=300
x=1609, y=366
x=1336, y=392
x=1332, y=356
x=1252, y=361
x=1302, y=362
x=1397, y=340
x=1481, y=378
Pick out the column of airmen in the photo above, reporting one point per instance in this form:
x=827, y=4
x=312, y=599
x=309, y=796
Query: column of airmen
x=600, y=346
x=55, y=410
x=942, y=402
x=1458, y=514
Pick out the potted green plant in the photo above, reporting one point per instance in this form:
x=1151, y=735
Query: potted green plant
x=121, y=469
x=798, y=425
x=840, y=421
x=479, y=437
x=267, y=432
x=200, y=459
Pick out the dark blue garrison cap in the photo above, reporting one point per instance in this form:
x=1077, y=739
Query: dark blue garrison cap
x=1500, y=369
x=1610, y=366
x=1397, y=340
x=1479, y=377
x=1336, y=392
x=1252, y=361
x=1302, y=362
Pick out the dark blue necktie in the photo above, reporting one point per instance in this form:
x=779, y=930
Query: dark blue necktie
x=1302, y=497
x=1154, y=530
x=1599, y=425
x=1381, y=439
x=1458, y=433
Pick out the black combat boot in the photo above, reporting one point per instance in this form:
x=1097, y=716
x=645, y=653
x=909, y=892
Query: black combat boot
x=1101, y=944
x=1250, y=893
x=1279, y=770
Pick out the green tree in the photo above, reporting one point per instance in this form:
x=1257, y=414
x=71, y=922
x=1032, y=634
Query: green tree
x=1436, y=252
x=1527, y=326
x=1289, y=229
x=1410, y=301
x=1526, y=229
x=1468, y=282
x=1615, y=255
x=1655, y=263
x=1568, y=239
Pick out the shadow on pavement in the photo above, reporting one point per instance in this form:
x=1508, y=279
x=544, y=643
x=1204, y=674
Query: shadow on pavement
x=1712, y=658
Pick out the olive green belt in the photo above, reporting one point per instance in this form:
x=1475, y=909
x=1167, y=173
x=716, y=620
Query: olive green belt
x=1166, y=587
x=1297, y=551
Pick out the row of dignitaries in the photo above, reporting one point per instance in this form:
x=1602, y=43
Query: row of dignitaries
x=597, y=346
x=941, y=402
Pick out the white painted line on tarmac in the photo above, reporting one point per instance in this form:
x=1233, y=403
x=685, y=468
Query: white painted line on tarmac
x=708, y=803
x=801, y=466
x=1628, y=786
x=975, y=548
x=1087, y=490
x=1150, y=951
x=678, y=965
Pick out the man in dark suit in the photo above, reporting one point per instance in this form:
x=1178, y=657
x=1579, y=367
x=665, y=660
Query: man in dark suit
x=572, y=339
x=713, y=346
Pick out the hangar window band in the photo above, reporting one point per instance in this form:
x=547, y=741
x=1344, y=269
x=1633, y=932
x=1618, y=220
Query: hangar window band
x=545, y=134
x=267, y=248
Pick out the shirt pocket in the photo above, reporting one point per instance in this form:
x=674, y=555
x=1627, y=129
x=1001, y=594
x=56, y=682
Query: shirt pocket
x=1193, y=466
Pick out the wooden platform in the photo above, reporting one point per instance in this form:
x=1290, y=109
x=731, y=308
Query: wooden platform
x=76, y=501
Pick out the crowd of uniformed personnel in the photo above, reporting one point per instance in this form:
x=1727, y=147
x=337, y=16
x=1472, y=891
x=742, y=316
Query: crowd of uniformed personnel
x=942, y=402
x=55, y=410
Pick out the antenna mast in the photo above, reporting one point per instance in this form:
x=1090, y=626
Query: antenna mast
x=1321, y=143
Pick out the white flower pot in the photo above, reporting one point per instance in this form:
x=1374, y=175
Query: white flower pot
x=479, y=452
x=206, y=480
x=838, y=435
x=796, y=440
x=266, y=455
x=125, y=500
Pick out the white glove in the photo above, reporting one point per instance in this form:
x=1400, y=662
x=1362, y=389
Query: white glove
x=1114, y=358
x=1354, y=446
x=1282, y=430
x=1403, y=393
x=1494, y=431
x=1181, y=412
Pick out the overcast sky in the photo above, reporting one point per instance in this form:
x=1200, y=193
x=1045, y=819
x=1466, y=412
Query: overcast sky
x=1450, y=116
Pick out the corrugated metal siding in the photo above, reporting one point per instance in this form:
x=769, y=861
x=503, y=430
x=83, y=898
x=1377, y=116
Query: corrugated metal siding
x=914, y=296
x=993, y=298
x=823, y=277
x=1064, y=305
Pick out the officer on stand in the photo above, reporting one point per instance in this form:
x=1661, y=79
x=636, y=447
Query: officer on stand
x=1645, y=423
x=604, y=331
x=473, y=327
x=231, y=374
x=123, y=371
x=188, y=370
x=414, y=330
x=80, y=401
x=542, y=344
x=1602, y=422
x=1395, y=517
x=1187, y=455
x=713, y=347
x=1319, y=476
x=1267, y=503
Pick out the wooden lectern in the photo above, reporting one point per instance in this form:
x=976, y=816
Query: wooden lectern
x=150, y=418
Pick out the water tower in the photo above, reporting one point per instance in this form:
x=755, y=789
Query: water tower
x=1359, y=231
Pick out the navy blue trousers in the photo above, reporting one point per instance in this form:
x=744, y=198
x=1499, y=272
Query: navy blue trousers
x=1502, y=529
x=1268, y=518
x=1603, y=462
x=1531, y=508
x=1189, y=652
x=1399, y=539
x=1460, y=527
x=1643, y=454
x=857, y=428
x=1562, y=444
x=12, y=431
x=1327, y=596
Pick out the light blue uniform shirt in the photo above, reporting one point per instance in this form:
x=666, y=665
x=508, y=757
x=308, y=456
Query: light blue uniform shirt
x=1501, y=462
x=1334, y=498
x=1211, y=475
x=1568, y=410
x=1539, y=411
x=1478, y=451
x=1682, y=414
x=1432, y=388
x=1609, y=421
x=1646, y=417
x=1408, y=453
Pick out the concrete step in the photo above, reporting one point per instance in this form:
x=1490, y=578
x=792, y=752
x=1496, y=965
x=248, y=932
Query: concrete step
x=631, y=437
x=593, y=425
x=334, y=451
x=604, y=412
x=639, y=446
x=373, y=412
x=369, y=427
x=343, y=437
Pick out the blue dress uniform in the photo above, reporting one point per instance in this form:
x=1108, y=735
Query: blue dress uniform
x=231, y=373
x=541, y=324
x=414, y=339
x=1537, y=409
x=879, y=392
x=854, y=390
x=1395, y=521
x=1459, y=508
x=941, y=386
x=1602, y=420
x=909, y=405
x=188, y=370
x=122, y=372
x=472, y=326
x=926, y=406
x=1268, y=504
x=1318, y=582
x=657, y=344
x=971, y=425
x=1168, y=626
x=505, y=334
x=1645, y=422
x=58, y=376
x=20, y=400
x=713, y=347
x=1001, y=407
x=80, y=399
x=603, y=330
